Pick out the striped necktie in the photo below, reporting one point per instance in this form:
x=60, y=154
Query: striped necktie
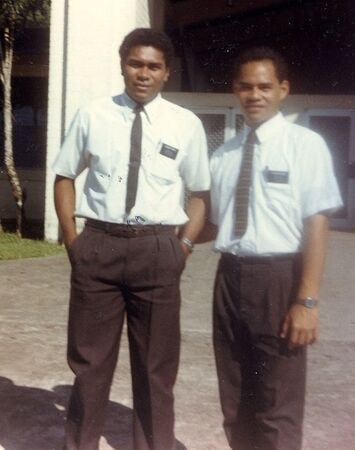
x=243, y=185
x=134, y=159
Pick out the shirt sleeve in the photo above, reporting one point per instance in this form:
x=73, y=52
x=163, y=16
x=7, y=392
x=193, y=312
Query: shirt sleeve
x=319, y=187
x=72, y=158
x=195, y=166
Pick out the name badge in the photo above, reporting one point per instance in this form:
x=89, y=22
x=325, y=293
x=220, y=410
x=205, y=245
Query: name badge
x=168, y=151
x=276, y=176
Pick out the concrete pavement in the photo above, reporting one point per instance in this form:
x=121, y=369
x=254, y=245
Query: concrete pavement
x=35, y=380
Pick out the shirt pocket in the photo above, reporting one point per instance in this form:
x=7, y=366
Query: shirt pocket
x=164, y=170
x=278, y=196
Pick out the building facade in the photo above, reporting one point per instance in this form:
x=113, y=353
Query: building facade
x=84, y=64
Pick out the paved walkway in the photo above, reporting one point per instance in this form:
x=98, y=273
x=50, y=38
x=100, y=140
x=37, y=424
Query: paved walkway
x=35, y=381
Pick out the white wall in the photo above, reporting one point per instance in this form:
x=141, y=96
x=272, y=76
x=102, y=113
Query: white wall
x=84, y=64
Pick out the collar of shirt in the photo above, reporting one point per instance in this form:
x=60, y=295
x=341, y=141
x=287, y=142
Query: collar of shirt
x=267, y=129
x=150, y=109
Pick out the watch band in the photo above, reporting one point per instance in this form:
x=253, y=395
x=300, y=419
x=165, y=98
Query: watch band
x=308, y=302
x=188, y=243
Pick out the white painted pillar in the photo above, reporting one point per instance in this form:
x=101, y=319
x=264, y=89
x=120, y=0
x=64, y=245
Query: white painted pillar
x=84, y=64
x=55, y=104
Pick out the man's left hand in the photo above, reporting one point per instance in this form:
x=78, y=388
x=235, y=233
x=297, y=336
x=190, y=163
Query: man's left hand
x=300, y=326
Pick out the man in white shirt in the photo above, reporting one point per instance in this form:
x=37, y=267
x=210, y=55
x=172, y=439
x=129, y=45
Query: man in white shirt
x=139, y=151
x=268, y=278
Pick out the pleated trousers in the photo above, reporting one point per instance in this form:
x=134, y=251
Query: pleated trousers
x=117, y=276
x=261, y=381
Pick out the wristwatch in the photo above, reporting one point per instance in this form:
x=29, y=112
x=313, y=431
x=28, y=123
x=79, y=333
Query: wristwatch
x=189, y=244
x=308, y=302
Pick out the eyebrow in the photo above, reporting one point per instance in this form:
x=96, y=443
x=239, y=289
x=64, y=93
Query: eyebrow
x=148, y=63
x=246, y=85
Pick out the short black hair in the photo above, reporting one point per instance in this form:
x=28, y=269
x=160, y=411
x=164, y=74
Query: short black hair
x=147, y=37
x=259, y=54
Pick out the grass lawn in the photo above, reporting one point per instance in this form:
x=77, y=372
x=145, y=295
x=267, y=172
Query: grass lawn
x=12, y=247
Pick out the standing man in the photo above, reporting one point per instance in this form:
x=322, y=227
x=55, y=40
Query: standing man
x=140, y=150
x=273, y=188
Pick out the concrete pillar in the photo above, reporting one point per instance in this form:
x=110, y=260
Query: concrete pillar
x=55, y=112
x=84, y=64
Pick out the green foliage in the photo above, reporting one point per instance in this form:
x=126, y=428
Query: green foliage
x=13, y=247
x=22, y=13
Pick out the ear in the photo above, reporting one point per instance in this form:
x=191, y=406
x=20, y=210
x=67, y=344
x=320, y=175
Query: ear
x=285, y=89
x=167, y=75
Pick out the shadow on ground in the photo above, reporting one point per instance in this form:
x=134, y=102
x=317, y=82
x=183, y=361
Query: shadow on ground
x=33, y=418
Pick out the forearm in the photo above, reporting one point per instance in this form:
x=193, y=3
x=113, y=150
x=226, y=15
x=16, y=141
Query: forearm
x=314, y=251
x=300, y=325
x=196, y=210
x=64, y=199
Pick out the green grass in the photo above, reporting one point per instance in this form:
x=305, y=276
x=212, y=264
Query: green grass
x=13, y=247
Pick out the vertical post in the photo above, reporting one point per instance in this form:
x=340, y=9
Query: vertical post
x=55, y=108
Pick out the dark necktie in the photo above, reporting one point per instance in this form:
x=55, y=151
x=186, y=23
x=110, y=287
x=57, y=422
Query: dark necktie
x=243, y=185
x=134, y=159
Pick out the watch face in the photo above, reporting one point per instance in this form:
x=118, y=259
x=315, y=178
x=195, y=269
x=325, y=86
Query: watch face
x=308, y=302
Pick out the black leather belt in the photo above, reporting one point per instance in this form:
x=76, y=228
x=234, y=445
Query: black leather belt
x=123, y=230
x=259, y=259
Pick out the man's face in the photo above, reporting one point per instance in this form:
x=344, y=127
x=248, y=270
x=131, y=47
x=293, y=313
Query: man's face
x=144, y=72
x=259, y=91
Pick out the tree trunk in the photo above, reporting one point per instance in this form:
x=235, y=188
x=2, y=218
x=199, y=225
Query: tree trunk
x=9, y=155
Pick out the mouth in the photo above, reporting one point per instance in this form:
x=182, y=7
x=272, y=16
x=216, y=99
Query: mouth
x=254, y=107
x=141, y=87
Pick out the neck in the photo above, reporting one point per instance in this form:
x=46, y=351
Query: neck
x=254, y=125
x=143, y=103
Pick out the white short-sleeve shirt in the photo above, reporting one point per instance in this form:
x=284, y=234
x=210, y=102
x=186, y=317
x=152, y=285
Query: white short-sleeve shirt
x=293, y=178
x=174, y=154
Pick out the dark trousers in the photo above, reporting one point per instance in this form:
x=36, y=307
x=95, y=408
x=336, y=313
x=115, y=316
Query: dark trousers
x=261, y=382
x=116, y=274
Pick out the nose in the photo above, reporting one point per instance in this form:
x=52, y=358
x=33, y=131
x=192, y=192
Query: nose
x=254, y=93
x=143, y=73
